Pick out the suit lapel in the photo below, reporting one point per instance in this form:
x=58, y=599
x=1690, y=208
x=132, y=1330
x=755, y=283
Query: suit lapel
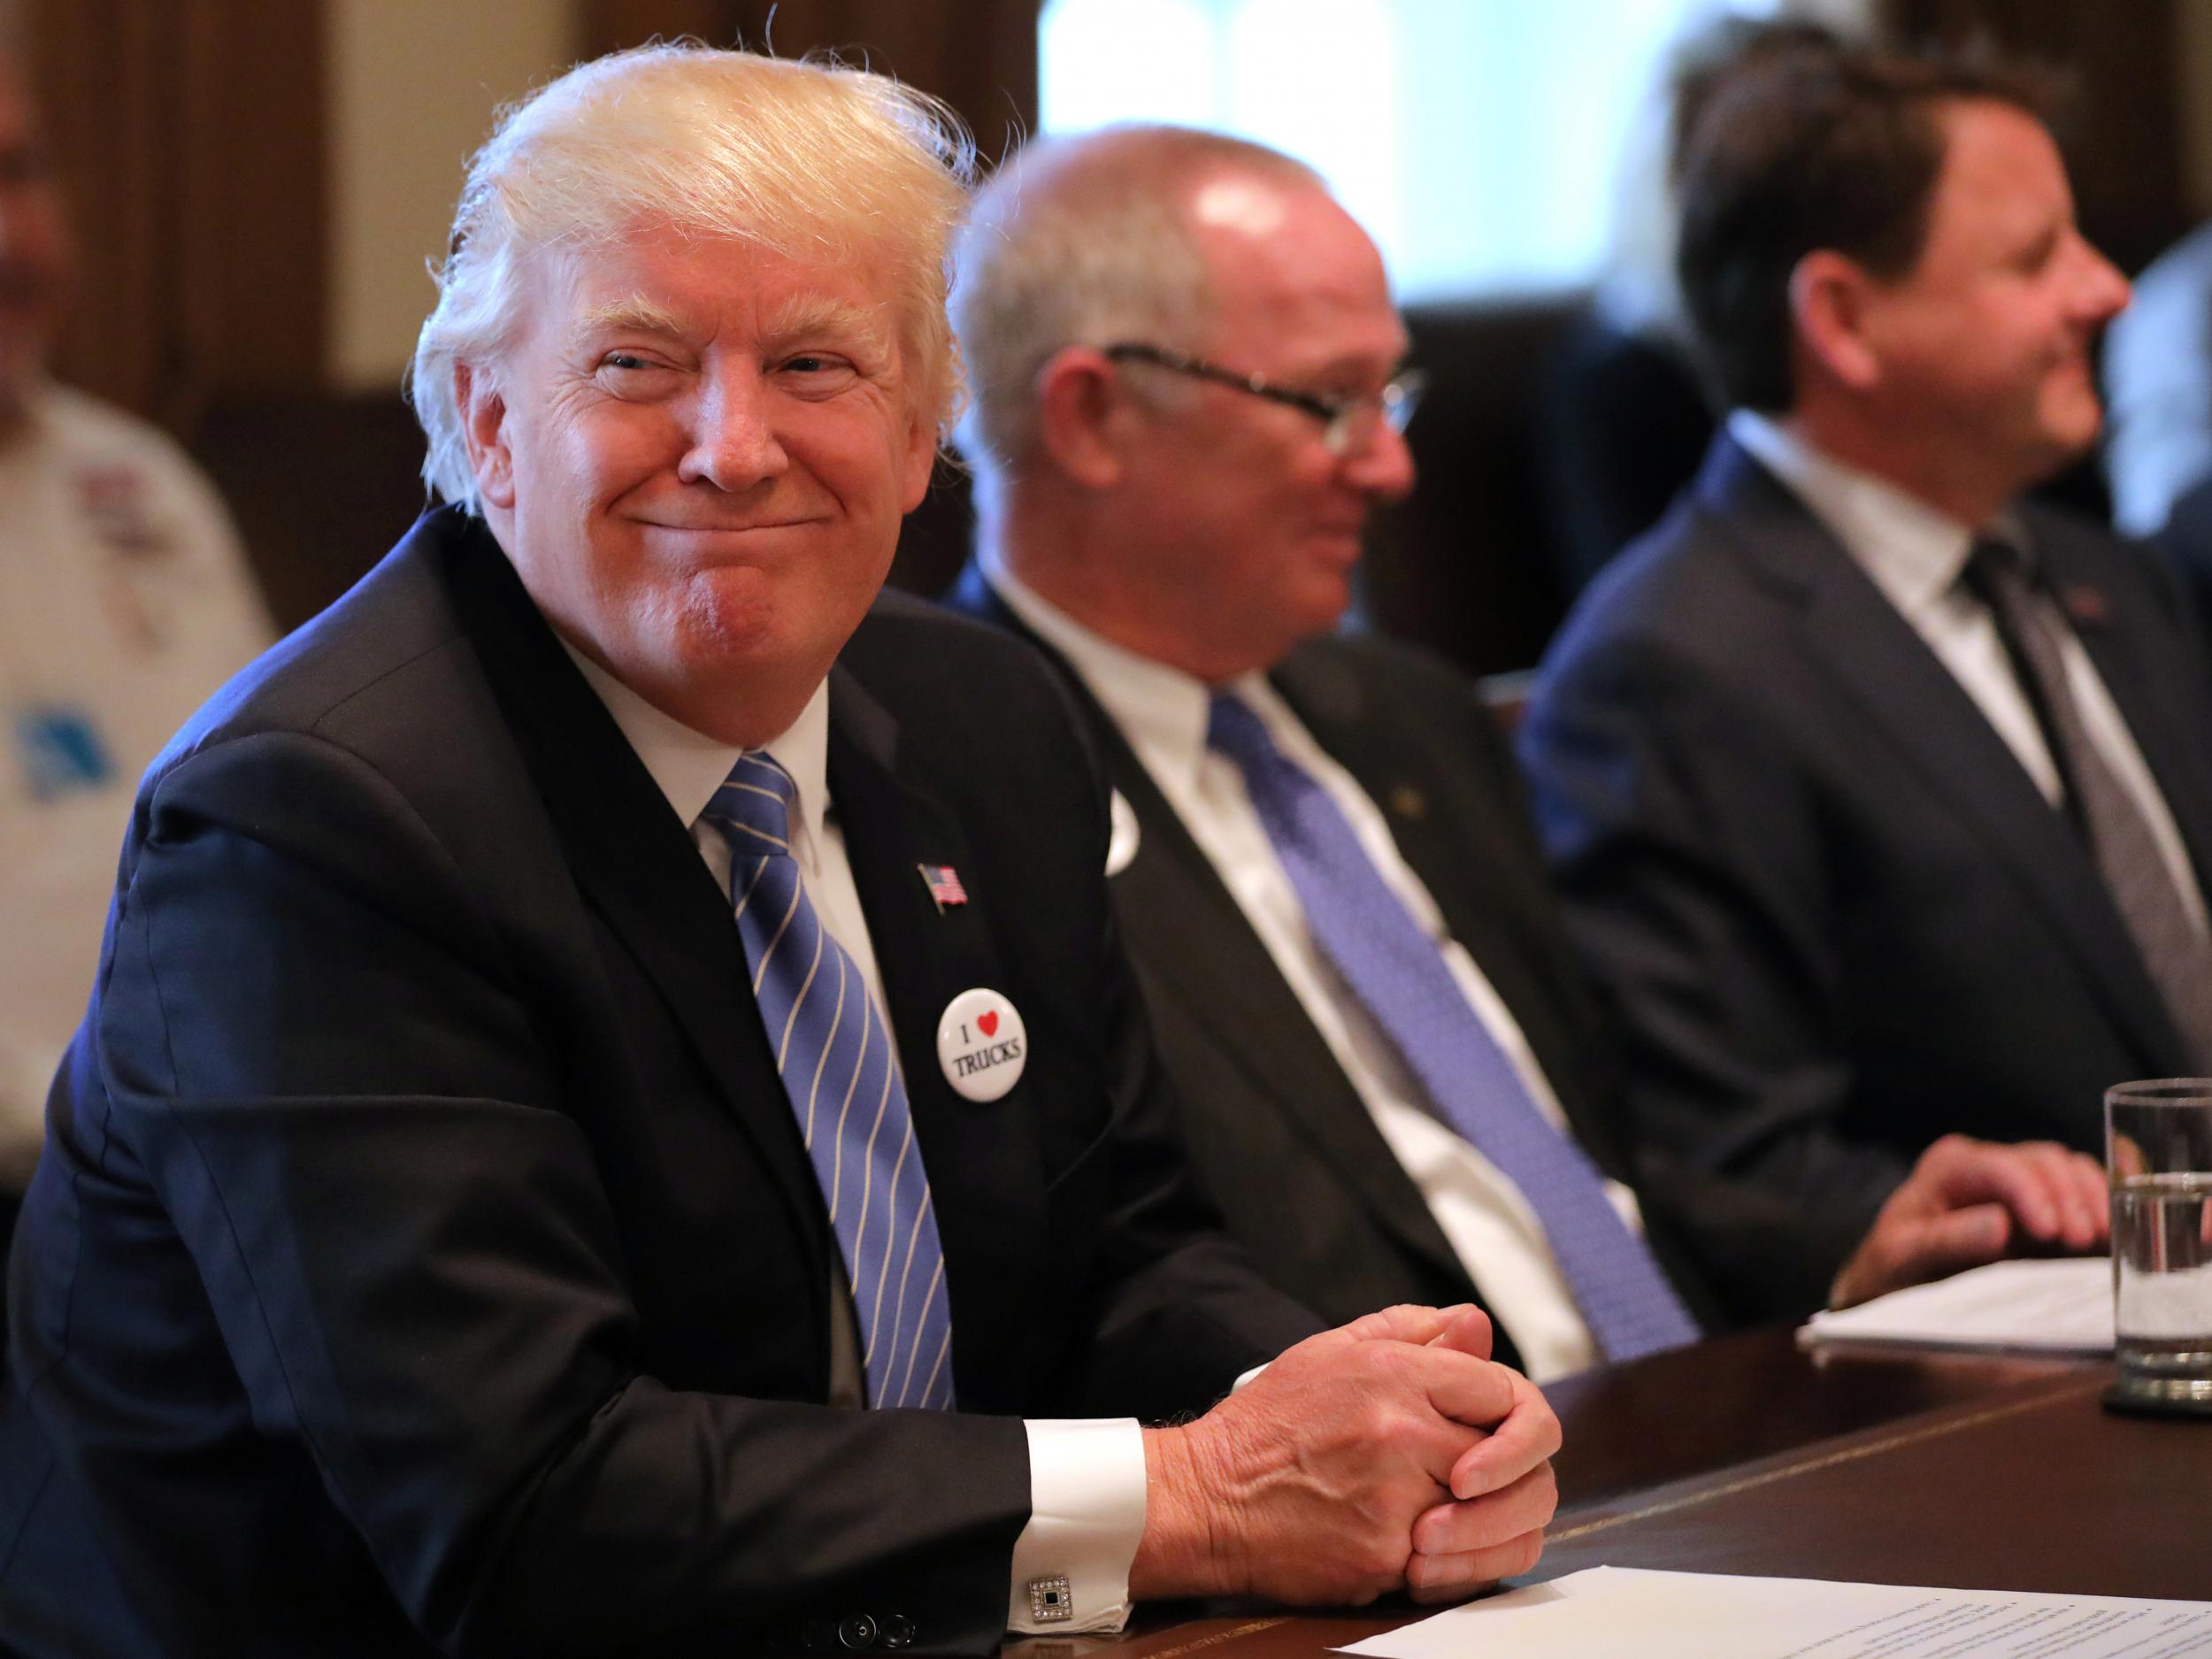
x=637, y=866
x=1872, y=656
x=1181, y=922
x=2158, y=697
x=985, y=1165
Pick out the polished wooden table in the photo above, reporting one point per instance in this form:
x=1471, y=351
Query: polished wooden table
x=1745, y=1455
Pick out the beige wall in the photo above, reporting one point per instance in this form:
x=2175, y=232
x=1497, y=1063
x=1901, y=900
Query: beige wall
x=414, y=84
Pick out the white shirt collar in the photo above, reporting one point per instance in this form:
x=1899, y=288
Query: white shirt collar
x=690, y=766
x=1913, y=552
x=1161, y=710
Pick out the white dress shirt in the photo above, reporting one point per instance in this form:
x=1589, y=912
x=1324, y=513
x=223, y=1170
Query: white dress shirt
x=1086, y=1477
x=1915, y=555
x=1482, y=1214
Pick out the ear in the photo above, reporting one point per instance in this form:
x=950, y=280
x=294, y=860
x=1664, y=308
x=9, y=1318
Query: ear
x=918, y=463
x=1081, y=409
x=1831, y=300
x=484, y=429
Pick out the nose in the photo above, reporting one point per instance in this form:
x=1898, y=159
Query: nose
x=1381, y=468
x=732, y=442
x=2103, y=292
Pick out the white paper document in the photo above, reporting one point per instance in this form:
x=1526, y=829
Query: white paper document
x=1613, y=1611
x=2048, y=1306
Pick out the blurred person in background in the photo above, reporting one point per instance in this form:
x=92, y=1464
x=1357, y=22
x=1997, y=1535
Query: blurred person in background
x=2158, y=381
x=125, y=600
x=1878, y=797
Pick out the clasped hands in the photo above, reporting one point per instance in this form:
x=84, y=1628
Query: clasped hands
x=1390, y=1453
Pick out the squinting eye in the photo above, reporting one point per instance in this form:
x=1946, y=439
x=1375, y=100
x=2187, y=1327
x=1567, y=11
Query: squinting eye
x=622, y=360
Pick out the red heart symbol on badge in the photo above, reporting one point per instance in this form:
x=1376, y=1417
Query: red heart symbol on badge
x=989, y=1023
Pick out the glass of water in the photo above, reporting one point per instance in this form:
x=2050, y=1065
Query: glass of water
x=2158, y=1153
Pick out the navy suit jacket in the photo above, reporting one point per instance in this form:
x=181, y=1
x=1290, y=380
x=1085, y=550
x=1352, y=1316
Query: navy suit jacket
x=1833, y=915
x=425, y=1255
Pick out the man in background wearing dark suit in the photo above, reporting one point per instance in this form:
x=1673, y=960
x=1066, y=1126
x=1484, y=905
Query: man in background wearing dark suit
x=614, y=1119
x=1880, y=803
x=1187, y=378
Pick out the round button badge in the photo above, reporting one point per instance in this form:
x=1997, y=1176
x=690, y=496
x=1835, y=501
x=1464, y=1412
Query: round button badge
x=982, y=1044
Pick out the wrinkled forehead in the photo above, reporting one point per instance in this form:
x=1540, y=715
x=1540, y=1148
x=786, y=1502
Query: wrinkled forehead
x=655, y=280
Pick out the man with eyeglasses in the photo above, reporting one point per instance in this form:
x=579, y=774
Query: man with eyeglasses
x=1188, y=386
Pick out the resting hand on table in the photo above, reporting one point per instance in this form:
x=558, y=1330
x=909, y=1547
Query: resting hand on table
x=1970, y=1201
x=1389, y=1453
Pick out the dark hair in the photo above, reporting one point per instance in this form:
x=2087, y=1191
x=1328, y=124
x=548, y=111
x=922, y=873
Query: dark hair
x=1704, y=60
x=1812, y=148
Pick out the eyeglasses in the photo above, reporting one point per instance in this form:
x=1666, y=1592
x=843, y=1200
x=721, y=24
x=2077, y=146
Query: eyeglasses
x=1348, y=423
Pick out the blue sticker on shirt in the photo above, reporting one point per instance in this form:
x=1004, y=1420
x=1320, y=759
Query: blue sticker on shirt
x=62, y=751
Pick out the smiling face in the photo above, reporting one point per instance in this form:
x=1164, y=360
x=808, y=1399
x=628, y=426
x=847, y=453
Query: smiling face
x=697, y=454
x=1244, y=527
x=1984, y=343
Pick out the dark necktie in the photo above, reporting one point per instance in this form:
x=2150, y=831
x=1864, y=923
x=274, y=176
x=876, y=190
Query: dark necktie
x=2177, y=956
x=834, y=1052
x=1403, y=980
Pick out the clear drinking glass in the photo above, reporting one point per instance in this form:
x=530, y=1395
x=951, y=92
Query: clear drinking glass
x=2158, y=1155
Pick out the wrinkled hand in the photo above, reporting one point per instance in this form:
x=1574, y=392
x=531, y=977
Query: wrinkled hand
x=1389, y=1453
x=1970, y=1201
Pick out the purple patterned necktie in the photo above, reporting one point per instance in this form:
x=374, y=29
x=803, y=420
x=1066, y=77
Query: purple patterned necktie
x=1400, y=977
x=834, y=1051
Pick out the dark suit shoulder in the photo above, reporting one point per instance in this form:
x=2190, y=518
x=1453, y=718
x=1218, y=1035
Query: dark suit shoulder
x=974, y=697
x=1377, y=661
x=910, y=645
x=1661, y=594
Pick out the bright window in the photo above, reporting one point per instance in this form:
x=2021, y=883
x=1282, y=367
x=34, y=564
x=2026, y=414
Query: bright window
x=1476, y=140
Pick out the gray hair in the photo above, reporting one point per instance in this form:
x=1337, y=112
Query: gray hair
x=807, y=158
x=1084, y=241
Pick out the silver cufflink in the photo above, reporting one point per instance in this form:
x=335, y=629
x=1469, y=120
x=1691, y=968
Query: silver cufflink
x=1051, y=1600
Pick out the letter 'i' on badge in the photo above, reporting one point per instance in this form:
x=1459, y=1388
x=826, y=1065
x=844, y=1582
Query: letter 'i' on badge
x=982, y=1044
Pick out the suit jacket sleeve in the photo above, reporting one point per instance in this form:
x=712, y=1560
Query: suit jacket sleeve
x=1174, y=1299
x=1691, y=867
x=322, y=1055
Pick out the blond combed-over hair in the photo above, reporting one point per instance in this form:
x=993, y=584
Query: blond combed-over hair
x=808, y=158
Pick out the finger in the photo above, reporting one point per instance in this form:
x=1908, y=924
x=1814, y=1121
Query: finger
x=1946, y=1244
x=2084, y=1178
x=1468, y=1333
x=2058, y=1170
x=1451, y=1529
x=1405, y=1323
x=1967, y=1172
x=1434, y=1579
x=1465, y=1389
x=1525, y=1438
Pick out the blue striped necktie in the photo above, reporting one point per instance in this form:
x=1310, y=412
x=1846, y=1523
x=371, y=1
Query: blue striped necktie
x=1400, y=977
x=834, y=1051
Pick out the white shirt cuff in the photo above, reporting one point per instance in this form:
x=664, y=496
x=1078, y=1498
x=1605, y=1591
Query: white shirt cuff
x=1085, y=1517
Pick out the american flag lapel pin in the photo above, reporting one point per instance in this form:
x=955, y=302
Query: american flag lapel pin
x=943, y=882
